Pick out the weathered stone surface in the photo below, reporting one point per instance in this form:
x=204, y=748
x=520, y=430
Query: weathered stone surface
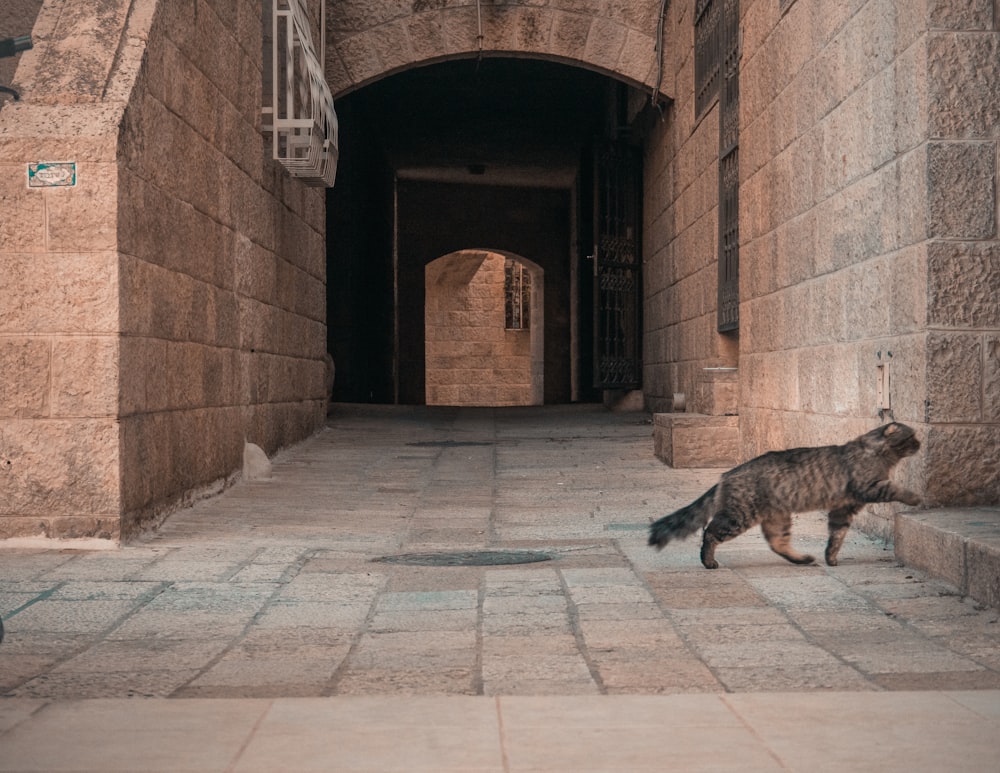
x=78, y=53
x=963, y=284
x=59, y=292
x=962, y=102
x=961, y=190
x=717, y=392
x=991, y=377
x=25, y=369
x=58, y=467
x=983, y=561
x=692, y=440
x=85, y=376
x=83, y=217
x=22, y=228
x=962, y=465
x=954, y=377
x=919, y=542
x=970, y=15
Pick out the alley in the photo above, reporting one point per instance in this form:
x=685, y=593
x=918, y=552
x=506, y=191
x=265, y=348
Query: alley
x=274, y=587
x=321, y=582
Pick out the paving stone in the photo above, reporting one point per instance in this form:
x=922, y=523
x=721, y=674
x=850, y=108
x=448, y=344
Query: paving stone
x=89, y=684
x=270, y=590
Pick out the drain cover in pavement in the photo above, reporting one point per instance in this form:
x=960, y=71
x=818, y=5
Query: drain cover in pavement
x=468, y=558
x=449, y=443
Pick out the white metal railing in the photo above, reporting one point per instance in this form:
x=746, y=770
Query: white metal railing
x=301, y=117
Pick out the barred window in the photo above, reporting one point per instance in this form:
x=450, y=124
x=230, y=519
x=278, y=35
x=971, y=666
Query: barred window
x=517, y=296
x=706, y=54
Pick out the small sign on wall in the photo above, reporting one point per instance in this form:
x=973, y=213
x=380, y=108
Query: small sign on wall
x=52, y=174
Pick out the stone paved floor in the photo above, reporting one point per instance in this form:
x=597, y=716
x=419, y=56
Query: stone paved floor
x=270, y=590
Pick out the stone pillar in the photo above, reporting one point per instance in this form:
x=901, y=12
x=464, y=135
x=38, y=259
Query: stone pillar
x=59, y=290
x=167, y=306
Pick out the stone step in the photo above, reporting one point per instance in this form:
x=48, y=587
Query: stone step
x=696, y=440
x=960, y=545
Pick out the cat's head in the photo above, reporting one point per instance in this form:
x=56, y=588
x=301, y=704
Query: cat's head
x=900, y=438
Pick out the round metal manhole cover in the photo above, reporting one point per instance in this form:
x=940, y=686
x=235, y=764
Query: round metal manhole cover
x=468, y=558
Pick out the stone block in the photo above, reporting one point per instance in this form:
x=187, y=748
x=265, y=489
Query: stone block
x=57, y=293
x=22, y=228
x=962, y=464
x=83, y=218
x=954, y=384
x=963, y=284
x=970, y=15
x=908, y=292
x=919, y=542
x=24, y=377
x=569, y=33
x=991, y=377
x=693, y=440
x=958, y=545
x=961, y=190
x=716, y=392
x=58, y=467
x=962, y=100
x=911, y=190
x=983, y=569
x=605, y=43
x=911, y=97
x=85, y=376
x=855, y=140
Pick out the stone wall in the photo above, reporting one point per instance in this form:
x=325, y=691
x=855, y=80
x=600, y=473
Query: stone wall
x=868, y=231
x=471, y=358
x=171, y=304
x=680, y=232
x=368, y=39
x=59, y=346
x=223, y=265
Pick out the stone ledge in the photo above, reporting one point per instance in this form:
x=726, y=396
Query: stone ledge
x=696, y=440
x=959, y=545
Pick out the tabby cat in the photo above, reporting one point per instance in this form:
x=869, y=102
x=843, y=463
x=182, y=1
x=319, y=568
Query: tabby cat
x=770, y=488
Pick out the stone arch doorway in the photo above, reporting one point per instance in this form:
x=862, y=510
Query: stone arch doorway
x=453, y=149
x=484, y=330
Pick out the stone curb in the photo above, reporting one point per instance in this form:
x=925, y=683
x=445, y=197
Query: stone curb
x=958, y=545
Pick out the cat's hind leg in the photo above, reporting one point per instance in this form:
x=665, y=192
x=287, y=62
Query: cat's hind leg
x=839, y=521
x=723, y=526
x=777, y=530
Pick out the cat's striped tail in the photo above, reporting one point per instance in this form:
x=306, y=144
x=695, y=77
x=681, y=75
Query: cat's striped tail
x=684, y=522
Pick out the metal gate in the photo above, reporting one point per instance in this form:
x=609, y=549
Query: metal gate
x=617, y=267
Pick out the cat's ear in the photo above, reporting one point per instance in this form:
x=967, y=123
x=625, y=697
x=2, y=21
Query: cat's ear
x=890, y=429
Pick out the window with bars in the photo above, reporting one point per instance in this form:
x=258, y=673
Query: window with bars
x=517, y=296
x=707, y=63
x=728, y=318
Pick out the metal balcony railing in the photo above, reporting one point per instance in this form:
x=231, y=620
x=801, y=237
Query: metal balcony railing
x=300, y=117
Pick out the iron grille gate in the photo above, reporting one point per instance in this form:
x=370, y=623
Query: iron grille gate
x=617, y=267
x=729, y=168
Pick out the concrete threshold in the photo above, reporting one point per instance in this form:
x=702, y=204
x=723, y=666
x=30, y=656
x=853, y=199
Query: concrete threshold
x=877, y=731
x=960, y=545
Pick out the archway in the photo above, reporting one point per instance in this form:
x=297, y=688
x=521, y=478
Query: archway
x=621, y=40
x=484, y=330
x=457, y=154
